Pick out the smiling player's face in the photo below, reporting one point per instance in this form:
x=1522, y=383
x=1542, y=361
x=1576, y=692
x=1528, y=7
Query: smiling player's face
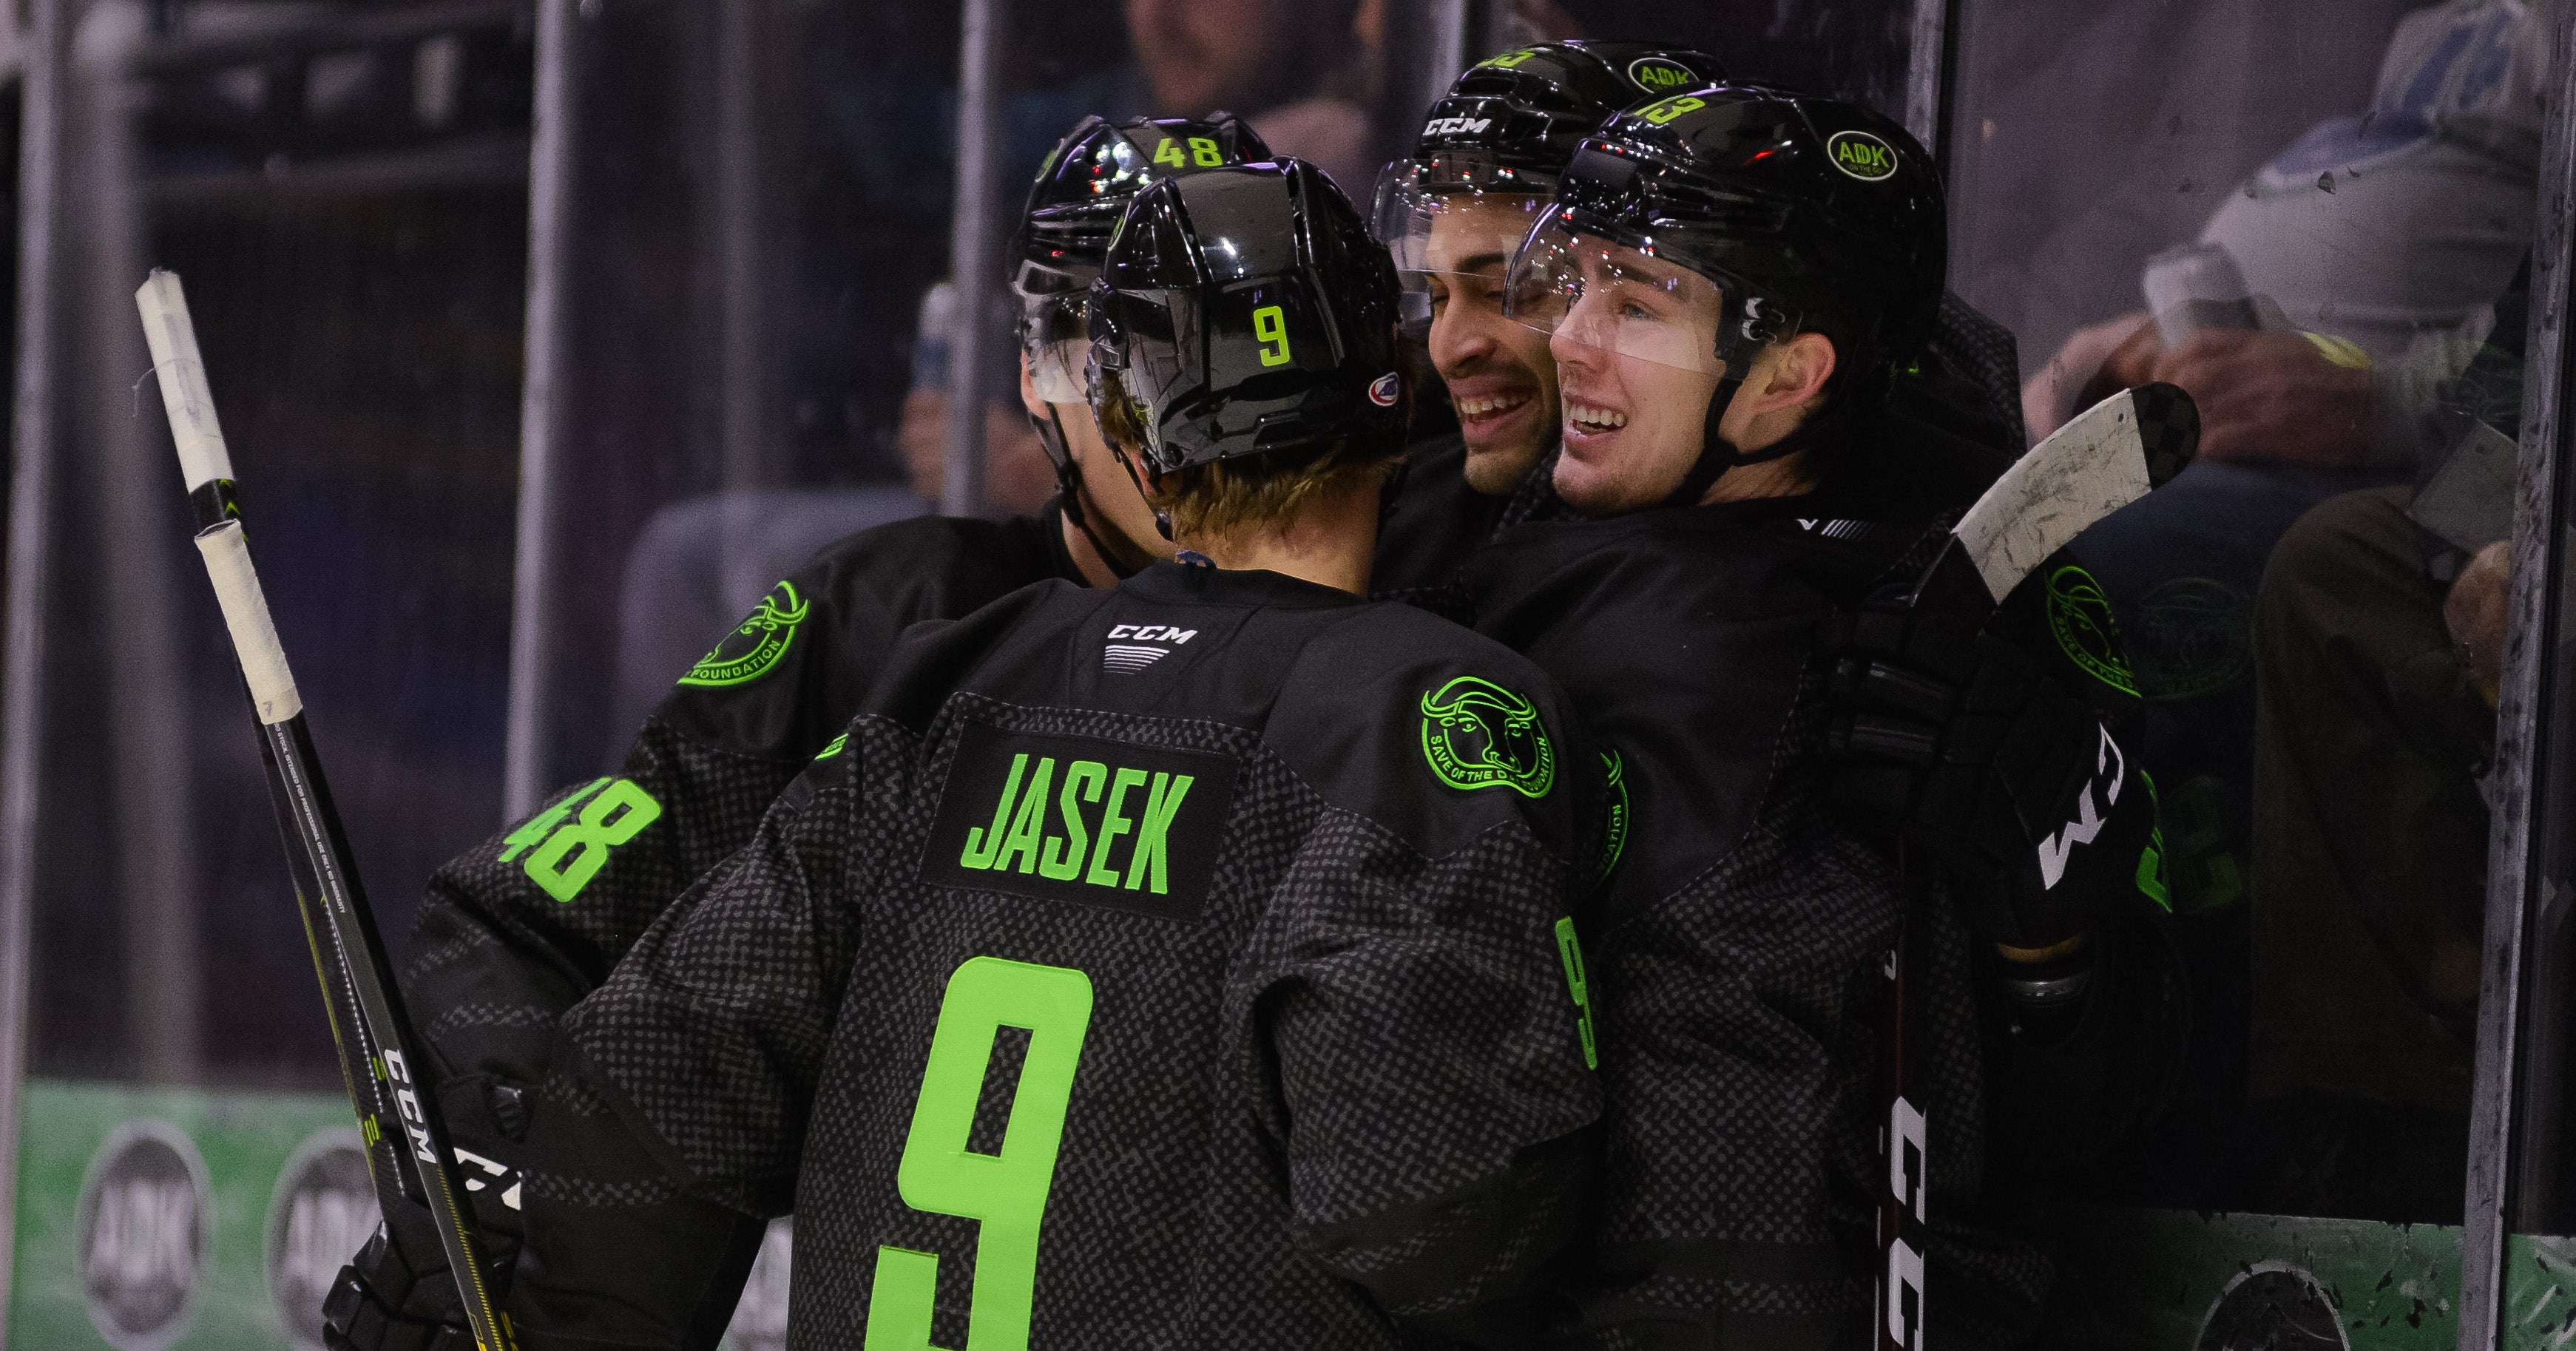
x=1501, y=379
x=1634, y=343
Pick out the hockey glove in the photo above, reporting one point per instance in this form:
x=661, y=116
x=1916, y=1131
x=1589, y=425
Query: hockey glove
x=397, y=1293
x=1995, y=748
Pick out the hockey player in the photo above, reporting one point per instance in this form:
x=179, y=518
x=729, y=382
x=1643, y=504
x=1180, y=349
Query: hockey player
x=1729, y=279
x=1481, y=173
x=516, y=930
x=1187, y=963
x=1483, y=169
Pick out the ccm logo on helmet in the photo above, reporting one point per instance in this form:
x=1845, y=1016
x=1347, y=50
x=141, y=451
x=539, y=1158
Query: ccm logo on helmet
x=1456, y=126
x=1658, y=77
x=1384, y=390
x=1861, y=155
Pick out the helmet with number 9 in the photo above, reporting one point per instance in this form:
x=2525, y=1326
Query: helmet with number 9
x=1245, y=311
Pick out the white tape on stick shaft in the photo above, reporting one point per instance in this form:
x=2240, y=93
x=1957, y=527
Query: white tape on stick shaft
x=263, y=661
x=184, y=392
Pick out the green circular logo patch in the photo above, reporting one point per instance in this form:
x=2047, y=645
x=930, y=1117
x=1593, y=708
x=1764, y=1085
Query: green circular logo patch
x=2080, y=615
x=750, y=651
x=2193, y=636
x=1476, y=734
x=1657, y=76
x=1861, y=155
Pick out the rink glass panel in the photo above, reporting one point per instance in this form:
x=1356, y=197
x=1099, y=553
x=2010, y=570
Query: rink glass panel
x=755, y=360
x=2293, y=608
x=348, y=211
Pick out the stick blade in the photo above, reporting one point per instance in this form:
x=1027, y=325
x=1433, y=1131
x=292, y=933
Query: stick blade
x=2108, y=456
x=2168, y=430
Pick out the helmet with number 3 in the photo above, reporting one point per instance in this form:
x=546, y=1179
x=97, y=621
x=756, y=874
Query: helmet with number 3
x=1081, y=190
x=1245, y=311
x=1695, y=230
x=1800, y=212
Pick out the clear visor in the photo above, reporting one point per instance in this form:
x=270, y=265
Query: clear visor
x=1057, y=346
x=1451, y=229
x=1621, y=301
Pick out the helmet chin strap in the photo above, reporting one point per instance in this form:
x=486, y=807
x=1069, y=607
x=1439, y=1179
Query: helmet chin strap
x=1716, y=453
x=1068, y=483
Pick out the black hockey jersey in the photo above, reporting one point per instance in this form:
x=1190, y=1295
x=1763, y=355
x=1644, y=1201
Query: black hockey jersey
x=1436, y=522
x=1737, y=952
x=1189, y=964
x=516, y=929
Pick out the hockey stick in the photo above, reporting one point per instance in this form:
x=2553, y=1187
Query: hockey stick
x=409, y=1157
x=2110, y=455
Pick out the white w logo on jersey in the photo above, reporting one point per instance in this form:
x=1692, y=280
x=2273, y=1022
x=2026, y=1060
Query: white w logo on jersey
x=2109, y=766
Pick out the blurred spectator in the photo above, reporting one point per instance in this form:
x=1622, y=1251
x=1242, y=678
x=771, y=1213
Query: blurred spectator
x=2374, y=252
x=1017, y=476
x=2395, y=231
x=2377, y=719
x=1298, y=70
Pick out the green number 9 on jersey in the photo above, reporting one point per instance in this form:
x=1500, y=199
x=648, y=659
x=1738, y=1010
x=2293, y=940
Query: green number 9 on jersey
x=1005, y=1191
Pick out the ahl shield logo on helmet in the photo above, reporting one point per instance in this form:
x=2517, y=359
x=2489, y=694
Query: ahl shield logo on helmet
x=1384, y=390
x=1861, y=155
x=1657, y=76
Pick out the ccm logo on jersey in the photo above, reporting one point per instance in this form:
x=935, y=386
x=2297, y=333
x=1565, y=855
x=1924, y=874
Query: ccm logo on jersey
x=2109, y=767
x=1456, y=126
x=1152, y=633
x=1130, y=657
x=1085, y=820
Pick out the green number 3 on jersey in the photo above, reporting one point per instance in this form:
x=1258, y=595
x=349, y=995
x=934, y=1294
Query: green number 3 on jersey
x=1006, y=1191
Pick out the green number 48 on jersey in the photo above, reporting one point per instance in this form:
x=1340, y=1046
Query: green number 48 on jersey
x=571, y=852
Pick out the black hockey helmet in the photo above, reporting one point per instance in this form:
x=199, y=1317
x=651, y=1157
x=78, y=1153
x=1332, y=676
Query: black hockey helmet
x=1803, y=213
x=1073, y=206
x=1507, y=127
x=1245, y=311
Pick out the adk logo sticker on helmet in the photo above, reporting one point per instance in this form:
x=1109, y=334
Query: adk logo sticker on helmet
x=322, y=1212
x=1658, y=76
x=1476, y=734
x=1385, y=390
x=1861, y=155
x=751, y=651
x=146, y=1220
x=2080, y=615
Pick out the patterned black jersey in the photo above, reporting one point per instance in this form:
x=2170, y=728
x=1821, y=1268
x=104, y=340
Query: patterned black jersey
x=1736, y=953
x=1436, y=522
x=1189, y=964
x=516, y=929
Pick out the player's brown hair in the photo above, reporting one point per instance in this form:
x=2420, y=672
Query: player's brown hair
x=1247, y=490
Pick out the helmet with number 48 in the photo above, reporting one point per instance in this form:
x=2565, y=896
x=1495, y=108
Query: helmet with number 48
x=1080, y=192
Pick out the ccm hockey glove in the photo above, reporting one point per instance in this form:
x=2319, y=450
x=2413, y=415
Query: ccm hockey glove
x=397, y=1293
x=1993, y=745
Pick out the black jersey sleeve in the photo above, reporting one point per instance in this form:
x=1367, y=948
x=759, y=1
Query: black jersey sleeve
x=673, y=1117
x=516, y=929
x=1431, y=1032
